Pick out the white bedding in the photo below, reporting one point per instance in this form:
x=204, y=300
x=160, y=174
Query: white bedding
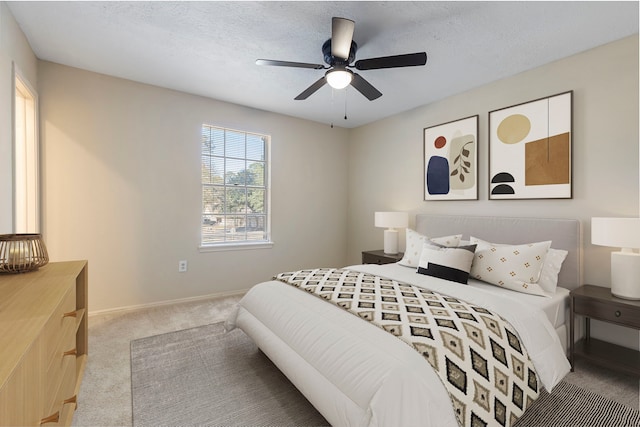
x=359, y=375
x=554, y=307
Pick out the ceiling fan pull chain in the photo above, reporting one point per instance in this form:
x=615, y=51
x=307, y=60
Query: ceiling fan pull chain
x=345, y=104
x=333, y=92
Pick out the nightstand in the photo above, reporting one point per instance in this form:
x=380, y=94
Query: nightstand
x=379, y=257
x=595, y=302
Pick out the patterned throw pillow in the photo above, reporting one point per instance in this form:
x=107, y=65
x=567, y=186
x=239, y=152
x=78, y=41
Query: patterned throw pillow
x=415, y=241
x=446, y=263
x=515, y=267
x=550, y=270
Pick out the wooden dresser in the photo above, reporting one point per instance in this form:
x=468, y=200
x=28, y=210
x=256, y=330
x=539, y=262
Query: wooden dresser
x=43, y=344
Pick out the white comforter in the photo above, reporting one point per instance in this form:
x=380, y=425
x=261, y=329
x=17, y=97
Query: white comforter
x=358, y=375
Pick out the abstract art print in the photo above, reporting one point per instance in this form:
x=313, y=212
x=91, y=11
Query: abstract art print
x=530, y=149
x=451, y=160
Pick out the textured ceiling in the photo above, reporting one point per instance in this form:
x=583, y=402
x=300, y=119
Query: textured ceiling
x=210, y=48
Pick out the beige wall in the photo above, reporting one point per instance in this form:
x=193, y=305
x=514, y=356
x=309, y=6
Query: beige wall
x=121, y=172
x=122, y=189
x=14, y=51
x=386, y=157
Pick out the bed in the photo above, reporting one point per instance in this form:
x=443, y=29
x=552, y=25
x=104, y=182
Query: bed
x=356, y=374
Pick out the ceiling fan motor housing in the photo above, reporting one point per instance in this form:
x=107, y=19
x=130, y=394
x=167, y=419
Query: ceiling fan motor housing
x=332, y=60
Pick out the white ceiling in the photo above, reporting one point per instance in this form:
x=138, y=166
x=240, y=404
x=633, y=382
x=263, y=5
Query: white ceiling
x=210, y=48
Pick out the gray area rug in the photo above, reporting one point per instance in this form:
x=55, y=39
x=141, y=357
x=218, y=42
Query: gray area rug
x=206, y=377
x=203, y=376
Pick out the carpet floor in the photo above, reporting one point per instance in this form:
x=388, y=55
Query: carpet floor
x=203, y=376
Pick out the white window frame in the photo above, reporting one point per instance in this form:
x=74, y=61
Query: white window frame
x=26, y=156
x=236, y=244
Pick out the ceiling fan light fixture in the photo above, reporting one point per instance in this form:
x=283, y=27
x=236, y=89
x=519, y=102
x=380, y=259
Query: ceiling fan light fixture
x=339, y=78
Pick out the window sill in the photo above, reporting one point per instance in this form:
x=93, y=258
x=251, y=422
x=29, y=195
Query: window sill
x=241, y=246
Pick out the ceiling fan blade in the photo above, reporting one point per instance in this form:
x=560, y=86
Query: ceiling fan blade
x=406, y=60
x=341, y=37
x=288, y=64
x=311, y=89
x=365, y=88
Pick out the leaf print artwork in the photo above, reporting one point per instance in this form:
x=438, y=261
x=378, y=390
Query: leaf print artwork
x=451, y=160
x=462, y=163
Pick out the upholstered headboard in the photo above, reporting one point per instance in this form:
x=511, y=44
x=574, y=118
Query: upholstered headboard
x=564, y=233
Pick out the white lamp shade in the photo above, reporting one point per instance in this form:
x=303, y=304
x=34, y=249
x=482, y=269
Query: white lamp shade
x=391, y=219
x=616, y=232
x=338, y=79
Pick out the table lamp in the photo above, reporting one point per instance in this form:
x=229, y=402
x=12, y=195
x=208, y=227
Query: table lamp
x=391, y=221
x=625, y=264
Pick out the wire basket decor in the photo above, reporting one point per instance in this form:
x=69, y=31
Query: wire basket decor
x=20, y=253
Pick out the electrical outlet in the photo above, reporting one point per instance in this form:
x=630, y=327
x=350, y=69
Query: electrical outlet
x=182, y=266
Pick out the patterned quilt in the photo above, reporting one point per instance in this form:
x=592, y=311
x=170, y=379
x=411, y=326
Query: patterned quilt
x=476, y=353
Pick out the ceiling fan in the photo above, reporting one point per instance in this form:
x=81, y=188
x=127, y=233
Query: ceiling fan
x=339, y=53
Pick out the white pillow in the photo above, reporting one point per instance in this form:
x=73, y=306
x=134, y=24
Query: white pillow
x=415, y=241
x=551, y=268
x=515, y=267
x=448, y=263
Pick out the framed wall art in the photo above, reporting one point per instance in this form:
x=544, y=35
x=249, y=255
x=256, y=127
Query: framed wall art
x=451, y=160
x=530, y=149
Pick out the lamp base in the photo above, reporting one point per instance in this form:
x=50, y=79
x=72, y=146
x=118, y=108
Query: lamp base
x=625, y=275
x=391, y=241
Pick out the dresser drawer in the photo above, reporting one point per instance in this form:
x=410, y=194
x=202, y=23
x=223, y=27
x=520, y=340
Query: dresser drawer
x=57, y=328
x=625, y=315
x=61, y=392
x=64, y=356
x=68, y=383
x=64, y=340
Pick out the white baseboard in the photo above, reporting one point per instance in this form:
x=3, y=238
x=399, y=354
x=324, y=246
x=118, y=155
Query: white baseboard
x=161, y=303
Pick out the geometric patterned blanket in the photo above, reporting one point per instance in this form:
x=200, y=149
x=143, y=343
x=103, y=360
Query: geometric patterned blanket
x=476, y=353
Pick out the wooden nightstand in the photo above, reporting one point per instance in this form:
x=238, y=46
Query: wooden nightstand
x=595, y=302
x=379, y=257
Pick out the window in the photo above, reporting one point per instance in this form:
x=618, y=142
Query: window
x=235, y=188
x=25, y=151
